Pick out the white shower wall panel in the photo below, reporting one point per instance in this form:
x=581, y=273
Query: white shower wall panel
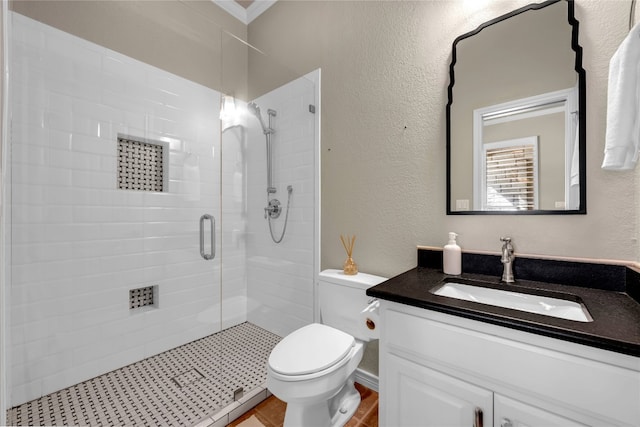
x=79, y=243
x=280, y=276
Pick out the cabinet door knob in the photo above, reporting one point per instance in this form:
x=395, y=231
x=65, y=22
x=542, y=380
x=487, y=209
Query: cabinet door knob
x=506, y=422
x=477, y=419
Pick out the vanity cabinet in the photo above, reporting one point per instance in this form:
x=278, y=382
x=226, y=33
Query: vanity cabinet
x=417, y=395
x=441, y=370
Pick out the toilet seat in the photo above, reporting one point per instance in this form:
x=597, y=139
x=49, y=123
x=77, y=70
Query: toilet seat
x=309, y=350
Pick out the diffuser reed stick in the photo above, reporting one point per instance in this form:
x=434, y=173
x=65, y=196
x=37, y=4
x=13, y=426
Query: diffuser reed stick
x=350, y=267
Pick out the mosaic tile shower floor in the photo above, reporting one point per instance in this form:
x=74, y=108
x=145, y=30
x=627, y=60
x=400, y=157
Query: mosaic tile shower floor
x=179, y=387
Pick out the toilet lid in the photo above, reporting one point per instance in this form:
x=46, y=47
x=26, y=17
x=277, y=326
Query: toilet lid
x=310, y=349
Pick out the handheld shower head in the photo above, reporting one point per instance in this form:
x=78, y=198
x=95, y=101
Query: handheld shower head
x=255, y=110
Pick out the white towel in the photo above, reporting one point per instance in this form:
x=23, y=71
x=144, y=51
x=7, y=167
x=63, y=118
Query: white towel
x=623, y=105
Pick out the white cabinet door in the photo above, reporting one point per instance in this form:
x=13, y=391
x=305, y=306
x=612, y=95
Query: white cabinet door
x=511, y=413
x=419, y=396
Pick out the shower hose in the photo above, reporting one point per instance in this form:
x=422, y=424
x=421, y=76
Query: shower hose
x=286, y=218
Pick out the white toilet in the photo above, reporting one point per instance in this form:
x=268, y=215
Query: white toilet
x=313, y=368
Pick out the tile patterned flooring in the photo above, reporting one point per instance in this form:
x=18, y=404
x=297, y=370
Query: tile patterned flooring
x=179, y=387
x=270, y=412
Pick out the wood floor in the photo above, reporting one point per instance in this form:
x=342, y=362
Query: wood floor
x=271, y=411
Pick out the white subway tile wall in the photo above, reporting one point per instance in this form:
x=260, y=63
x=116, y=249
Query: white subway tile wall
x=80, y=243
x=280, y=276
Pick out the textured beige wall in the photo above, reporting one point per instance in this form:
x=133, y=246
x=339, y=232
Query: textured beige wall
x=186, y=38
x=384, y=79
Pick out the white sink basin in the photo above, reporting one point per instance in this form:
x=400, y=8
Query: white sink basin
x=548, y=306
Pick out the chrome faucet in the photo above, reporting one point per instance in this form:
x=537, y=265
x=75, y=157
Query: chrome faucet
x=507, y=260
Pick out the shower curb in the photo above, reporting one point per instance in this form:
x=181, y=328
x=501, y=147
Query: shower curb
x=236, y=409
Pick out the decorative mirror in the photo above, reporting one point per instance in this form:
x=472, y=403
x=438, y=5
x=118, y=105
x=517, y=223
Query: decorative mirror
x=516, y=115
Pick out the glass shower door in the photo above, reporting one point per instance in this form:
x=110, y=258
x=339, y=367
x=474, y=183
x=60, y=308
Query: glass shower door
x=267, y=286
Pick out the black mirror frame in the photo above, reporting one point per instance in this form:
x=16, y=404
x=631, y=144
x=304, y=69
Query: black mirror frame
x=582, y=128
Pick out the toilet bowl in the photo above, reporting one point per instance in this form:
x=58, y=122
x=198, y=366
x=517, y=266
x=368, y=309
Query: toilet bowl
x=313, y=368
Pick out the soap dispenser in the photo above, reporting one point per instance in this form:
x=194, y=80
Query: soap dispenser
x=452, y=256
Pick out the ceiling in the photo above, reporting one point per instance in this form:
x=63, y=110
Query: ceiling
x=245, y=10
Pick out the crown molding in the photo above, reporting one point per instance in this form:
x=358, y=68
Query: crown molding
x=257, y=8
x=245, y=15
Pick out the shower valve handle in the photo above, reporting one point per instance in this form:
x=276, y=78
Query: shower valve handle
x=273, y=210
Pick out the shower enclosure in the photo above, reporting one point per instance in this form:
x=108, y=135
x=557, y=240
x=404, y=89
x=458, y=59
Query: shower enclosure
x=134, y=211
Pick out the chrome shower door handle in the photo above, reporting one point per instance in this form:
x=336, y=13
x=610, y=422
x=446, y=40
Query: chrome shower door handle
x=212, y=253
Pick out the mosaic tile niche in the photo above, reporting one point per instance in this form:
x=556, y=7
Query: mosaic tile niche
x=141, y=297
x=140, y=165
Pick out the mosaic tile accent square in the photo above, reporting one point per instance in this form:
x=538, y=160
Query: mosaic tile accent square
x=146, y=393
x=140, y=165
x=140, y=297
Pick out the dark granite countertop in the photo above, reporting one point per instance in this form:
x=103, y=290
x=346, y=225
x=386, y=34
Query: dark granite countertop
x=616, y=315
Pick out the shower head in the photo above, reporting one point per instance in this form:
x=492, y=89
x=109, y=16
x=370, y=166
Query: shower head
x=255, y=110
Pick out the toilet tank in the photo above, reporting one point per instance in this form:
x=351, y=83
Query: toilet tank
x=342, y=297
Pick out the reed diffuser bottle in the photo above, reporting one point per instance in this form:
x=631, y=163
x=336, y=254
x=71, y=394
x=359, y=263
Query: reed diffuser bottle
x=350, y=267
